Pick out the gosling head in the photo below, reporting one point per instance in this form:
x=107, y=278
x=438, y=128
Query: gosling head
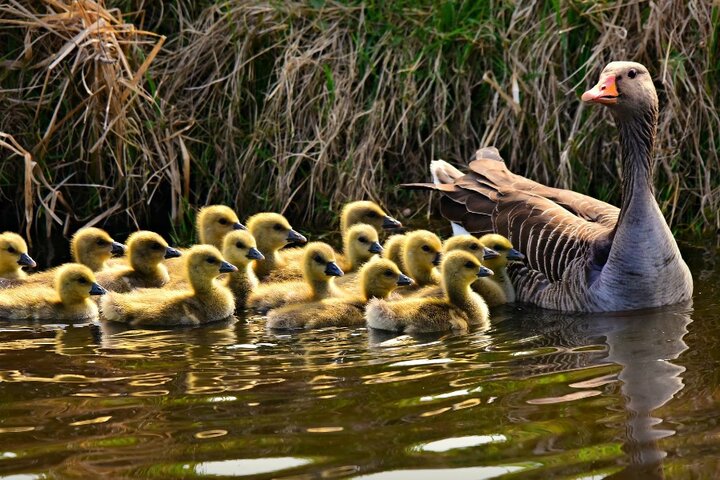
x=272, y=231
x=381, y=276
x=422, y=251
x=240, y=248
x=13, y=253
x=627, y=89
x=462, y=268
x=203, y=264
x=470, y=244
x=319, y=262
x=366, y=212
x=147, y=249
x=361, y=243
x=93, y=247
x=216, y=221
x=505, y=250
x=75, y=283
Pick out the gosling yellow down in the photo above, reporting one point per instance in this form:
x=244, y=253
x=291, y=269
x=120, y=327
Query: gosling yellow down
x=240, y=249
x=506, y=253
x=378, y=278
x=319, y=268
x=272, y=232
x=393, y=249
x=69, y=300
x=422, y=252
x=206, y=300
x=459, y=308
x=14, y=256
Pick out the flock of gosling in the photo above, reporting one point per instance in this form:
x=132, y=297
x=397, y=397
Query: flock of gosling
x=414, y=283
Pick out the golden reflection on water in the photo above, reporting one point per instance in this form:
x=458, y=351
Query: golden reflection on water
x=540, y=395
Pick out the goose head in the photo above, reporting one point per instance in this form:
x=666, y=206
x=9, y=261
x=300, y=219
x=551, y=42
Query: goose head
x=470, y=244
x=381, y=276
x=421, y=254
x=505, y=250
x=460, y=269
x=147, y=249
x=75, y=283
x=203, y=263
x=366, y=212
x=13, y=253
x=216, y=221
x=361, y=243
x=626, y=88
x=272, y=231
x=240, y=248
x=319, y=262
x=93, y=247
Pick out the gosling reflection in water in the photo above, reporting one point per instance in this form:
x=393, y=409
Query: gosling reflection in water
x=645, y=345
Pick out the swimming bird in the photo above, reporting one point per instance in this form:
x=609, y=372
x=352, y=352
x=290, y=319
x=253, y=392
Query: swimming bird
x=393, y=249
x=319, y=268
x=582, y=254
x=272, y=231
x=14, y=256
x=69, y=300
x=422, y=253
x=498, y=264
x=206, y=300
x=460, y=307
x=366, y=212
x=378, y=278
x=240, y=249
x=146, y=251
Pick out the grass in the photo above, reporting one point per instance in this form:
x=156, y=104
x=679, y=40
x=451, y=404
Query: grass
x=299, y=107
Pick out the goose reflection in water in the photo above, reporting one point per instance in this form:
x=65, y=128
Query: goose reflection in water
x=646, y=345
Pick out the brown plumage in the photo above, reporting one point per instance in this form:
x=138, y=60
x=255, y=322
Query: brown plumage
x=205, y=300
x=68, y=300
x=582, y=254
x=146, y=251
x=378, y=278
x=319, y=268
x=457, y=310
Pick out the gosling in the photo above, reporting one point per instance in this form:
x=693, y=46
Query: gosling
x=499, y=265
x=240, y=249
x=272, y=232
x=422, y=253
x=14, y=256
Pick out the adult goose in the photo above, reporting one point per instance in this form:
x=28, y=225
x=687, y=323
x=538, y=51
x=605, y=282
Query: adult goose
x=582, y=254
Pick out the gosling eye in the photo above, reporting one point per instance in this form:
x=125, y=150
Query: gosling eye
x=363, y=240
x=372, y=215
x=632, y=73
x=498, y=247
x=474, y=246
x=277, y=227
x=319, y=259
x=11, y=250
x=425, y=248
x=101, y=243
x=389, y=273
x=469, y=265
x=82, y=280
x=240, y=245
x=211, y=260
x=157, y=246
x=223, y=221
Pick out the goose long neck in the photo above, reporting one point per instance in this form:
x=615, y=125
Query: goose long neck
x=637, y=139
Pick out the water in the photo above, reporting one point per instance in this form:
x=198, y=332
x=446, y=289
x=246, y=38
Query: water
x=539, y=395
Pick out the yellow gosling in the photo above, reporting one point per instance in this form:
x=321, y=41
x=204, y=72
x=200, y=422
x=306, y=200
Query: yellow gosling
x=206, y=300
x=14, y=256
x=319, y=268
x=361, y=243
x=214, y=222
x=378, y=278
x=69, y=300
x=366, y=212
x=421, y=255
x=506, y=253
x=146, y=251
x=459, y=308
x=393, y=249
x=272, y=232
x=240, y=249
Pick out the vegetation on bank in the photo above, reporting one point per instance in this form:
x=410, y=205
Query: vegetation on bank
x=135, y=111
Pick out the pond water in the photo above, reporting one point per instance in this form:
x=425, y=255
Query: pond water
x=539, y=395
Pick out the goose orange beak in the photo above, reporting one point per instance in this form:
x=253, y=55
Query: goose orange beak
x=605, y=92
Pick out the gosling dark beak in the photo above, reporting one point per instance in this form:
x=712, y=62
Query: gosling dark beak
x=295, y=237
x=332, y=270
x=226, y=267
x=96, y=289
x=489, y=254
x=117, y=248
x=515, y=256
x=171, y=252
x=375, y=247
x=254, y=254
x=485, y=272
x=390, y=223
x=239, y=226
x=404, y=280
x=26, y=261
x=437, y=259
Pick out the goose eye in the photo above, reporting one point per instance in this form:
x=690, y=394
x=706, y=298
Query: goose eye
x=319, y=259
x=474, y=246
x=277, y=227
x=82, y=281
x=498, y=247
x=211, y=260
x=362, y=240
x=240, y=245
x=632, y=73
x=100, y=242
x=157, y=246
x=388, y=273
x=223, y=221
x=372, y=215
x=425, y=248
x=469, y=264
x=11, y=250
